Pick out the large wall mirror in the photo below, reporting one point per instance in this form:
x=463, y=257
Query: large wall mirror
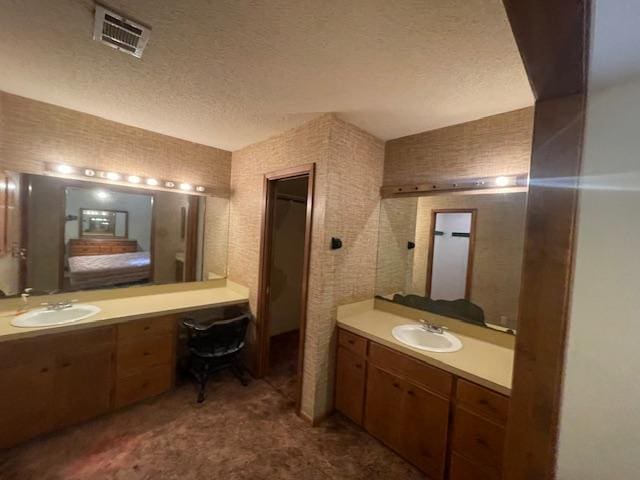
x=66, y=235
x=457, y=254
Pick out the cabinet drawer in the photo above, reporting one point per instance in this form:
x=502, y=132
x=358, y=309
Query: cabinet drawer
x=479, y=440
x=146, y=327
x=353, y=342
x=417, y=372
x=483, y=401
x=463, y=469
x=350, y=384
x=142, y=353
x=143, y=384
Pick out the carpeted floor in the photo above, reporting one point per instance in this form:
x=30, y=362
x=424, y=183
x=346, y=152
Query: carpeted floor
x=283, y=365
x=237, y=433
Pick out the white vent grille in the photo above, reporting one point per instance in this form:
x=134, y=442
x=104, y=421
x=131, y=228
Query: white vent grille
x=119, y=32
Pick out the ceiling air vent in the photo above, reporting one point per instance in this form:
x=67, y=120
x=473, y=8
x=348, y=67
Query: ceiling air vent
x=119, y=32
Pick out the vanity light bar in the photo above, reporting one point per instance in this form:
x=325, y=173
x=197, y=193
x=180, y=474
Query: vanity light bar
x=122, y=178
x=519, y=181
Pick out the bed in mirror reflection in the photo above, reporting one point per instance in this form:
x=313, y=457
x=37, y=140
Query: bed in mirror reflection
x=84, y=235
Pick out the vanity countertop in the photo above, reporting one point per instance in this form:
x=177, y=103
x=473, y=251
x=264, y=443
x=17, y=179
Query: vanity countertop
x=130, y=307
x=478, y=361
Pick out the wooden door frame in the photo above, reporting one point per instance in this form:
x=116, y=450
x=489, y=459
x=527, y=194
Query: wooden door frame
x=191, y=240
x=553, y=39
x=24, y=230
x=472, y=246
x=268, y=202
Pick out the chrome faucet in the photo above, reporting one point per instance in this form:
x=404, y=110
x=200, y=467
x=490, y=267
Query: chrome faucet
x=48, y=305
x=432, y=327
x=58, y=305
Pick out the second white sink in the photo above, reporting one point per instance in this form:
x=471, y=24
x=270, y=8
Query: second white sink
x=43, y=317
x=419, y=337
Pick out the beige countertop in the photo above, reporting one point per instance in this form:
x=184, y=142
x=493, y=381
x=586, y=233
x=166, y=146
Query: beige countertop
x=128, y=307
x=478, y=361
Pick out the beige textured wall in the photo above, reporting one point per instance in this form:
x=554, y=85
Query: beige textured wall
x=496, y=145
x=216, y=236
x=349, y=165
x=394, y=270
x=497, y=261
x=33, y=132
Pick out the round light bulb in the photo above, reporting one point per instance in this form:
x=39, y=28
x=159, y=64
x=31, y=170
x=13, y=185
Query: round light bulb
x=502, y=181
x=65, y=169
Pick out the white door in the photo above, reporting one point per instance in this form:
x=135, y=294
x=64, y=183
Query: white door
x=451, y=242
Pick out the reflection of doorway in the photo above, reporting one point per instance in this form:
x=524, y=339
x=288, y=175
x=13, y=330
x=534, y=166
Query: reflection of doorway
x=451, y=245
x=283, y=278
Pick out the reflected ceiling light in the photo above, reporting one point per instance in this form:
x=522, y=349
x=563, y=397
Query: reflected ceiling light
x=186, y=186
x=65, y=169
x=169, y=184
x=200, y=188
x=102, y=195
x=89, y=172
x=152, y=182
x=133, y=179
x=113, y=176
x=502, y=181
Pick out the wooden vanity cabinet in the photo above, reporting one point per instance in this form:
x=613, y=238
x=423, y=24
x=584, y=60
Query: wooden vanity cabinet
x=411, y=407
x=407, y=408
x=60, y=379
x=479, y=426
x=54, y=381
x=145, y=359
x=83, y=375
x=350, y=382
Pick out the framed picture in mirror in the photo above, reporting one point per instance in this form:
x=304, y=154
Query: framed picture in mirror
x=104, y=223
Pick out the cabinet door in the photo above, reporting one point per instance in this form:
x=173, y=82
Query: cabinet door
x=383, y=416
x=350, y=381
x=424, y=426
x=25, y=401
x=478, y=439
x=463, y=469
x=83, y=385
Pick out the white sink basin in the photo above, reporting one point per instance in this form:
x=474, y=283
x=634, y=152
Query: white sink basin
x=41, y=317
x=417, y=336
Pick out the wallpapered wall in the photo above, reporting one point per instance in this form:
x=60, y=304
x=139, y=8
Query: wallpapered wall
x=496, y=145
x=33, y=132
x=349, y=166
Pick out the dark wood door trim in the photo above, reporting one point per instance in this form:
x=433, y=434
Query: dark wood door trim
x=472, y=246
x=191, y=250
x=553, y=40
x=270, y=179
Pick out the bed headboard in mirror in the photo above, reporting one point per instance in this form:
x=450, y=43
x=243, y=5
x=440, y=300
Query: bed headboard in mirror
x=68, y=235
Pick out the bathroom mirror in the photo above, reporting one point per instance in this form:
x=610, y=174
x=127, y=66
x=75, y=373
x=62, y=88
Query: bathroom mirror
x=103, y=223
x=66, y=235
x=456, y=254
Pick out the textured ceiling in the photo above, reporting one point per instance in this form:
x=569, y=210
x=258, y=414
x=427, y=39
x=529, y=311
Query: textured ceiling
x=228, y=73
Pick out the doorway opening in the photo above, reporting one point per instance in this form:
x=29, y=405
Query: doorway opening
x=282, y=301
x=451, y=245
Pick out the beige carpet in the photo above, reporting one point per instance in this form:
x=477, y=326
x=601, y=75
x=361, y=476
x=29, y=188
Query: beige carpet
x=237, y=433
